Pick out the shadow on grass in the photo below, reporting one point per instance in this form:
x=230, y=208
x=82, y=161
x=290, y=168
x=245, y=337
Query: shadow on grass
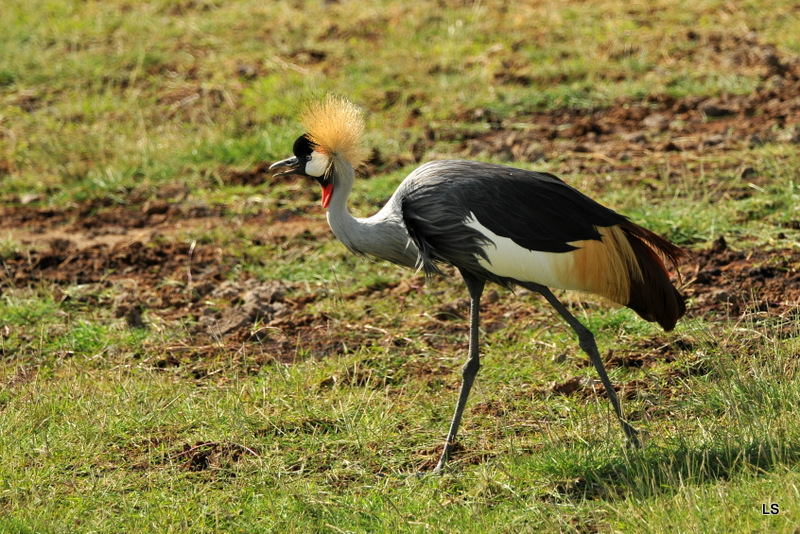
x=656, y=471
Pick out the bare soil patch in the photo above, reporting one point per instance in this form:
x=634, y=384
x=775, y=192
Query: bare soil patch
x=735, y=283
x=151, y=276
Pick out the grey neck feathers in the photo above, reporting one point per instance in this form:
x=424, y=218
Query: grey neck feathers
x=383, y=235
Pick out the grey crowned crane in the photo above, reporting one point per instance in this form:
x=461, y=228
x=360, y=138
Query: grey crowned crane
x=496, y=224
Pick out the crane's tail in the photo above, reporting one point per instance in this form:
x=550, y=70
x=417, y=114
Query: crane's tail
x=653, y=296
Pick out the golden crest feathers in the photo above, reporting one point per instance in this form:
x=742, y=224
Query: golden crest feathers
x=335, y=126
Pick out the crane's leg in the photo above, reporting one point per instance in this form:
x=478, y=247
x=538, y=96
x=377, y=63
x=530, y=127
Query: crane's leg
x=587, y=343
x=470, y=369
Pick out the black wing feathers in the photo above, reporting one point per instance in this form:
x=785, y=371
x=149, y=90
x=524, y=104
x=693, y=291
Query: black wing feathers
x=536, y=210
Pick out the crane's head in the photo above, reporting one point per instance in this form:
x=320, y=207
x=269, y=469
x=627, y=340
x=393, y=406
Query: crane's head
x=308, y=161
x=332, y=141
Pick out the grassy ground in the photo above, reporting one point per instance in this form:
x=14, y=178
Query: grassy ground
x=139, y=225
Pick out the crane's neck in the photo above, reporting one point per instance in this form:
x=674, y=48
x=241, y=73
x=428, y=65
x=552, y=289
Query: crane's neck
x=383, y=235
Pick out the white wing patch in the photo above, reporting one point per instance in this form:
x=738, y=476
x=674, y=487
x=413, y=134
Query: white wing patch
x=602, y=266
x=506, y=258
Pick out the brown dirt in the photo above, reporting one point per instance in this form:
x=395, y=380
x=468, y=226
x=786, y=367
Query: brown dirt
x=746, y=282
x=130, y=260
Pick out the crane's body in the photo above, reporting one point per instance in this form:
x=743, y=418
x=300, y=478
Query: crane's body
x=493, y=223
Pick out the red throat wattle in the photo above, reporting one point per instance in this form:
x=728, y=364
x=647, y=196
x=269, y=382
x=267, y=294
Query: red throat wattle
x=327, y=192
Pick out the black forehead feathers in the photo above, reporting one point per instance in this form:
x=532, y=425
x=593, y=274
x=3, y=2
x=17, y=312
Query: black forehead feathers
x=303, y=146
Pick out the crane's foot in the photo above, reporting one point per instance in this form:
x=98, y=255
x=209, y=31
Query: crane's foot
x=439, y=469
x=632, y=434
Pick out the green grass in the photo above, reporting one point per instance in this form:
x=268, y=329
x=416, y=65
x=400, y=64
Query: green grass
x=108, y=99
x=289, y=449
x=107, y=428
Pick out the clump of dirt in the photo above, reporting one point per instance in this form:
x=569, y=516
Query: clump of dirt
x=247, y=304
x=732, y=283
x=205, y=455
x=64, y=263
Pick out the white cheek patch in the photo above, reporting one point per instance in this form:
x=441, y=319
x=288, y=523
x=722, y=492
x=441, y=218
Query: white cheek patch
x=317, y=165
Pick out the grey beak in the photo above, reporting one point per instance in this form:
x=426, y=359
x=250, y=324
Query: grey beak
x=292, y=163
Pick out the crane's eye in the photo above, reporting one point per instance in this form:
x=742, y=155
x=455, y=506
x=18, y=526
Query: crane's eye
x=309, y=157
